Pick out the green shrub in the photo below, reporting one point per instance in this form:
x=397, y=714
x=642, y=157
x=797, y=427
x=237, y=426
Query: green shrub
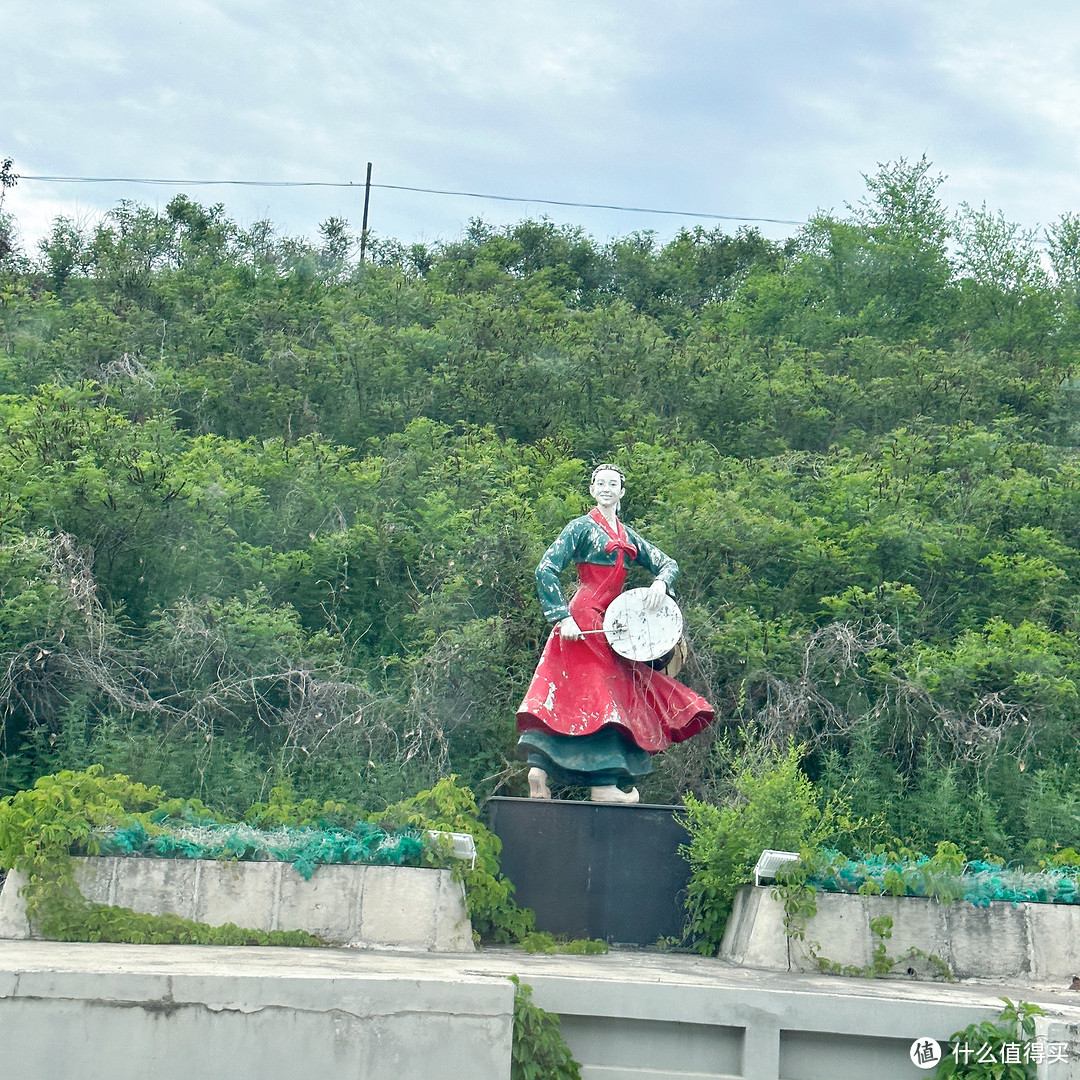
x=539, y=1050
x=774, y=805
x=65, y=814
x=40, y=828
x=495, y=914
x=1015, y=1028
x=449, y=807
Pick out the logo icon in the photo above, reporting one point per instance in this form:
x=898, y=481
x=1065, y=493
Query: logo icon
x=925, y=1053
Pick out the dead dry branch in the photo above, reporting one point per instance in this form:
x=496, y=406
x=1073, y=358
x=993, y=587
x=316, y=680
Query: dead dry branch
x=800, y=709
x=203, y=685
x=973, y=735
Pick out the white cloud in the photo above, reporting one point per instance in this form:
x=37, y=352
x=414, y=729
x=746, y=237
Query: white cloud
x=740, y=106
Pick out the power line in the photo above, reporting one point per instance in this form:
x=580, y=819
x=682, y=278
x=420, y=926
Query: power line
x=402, y=187
x=595, y=206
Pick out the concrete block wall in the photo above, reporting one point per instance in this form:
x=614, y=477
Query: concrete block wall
x=1037, y=943
x=364, y=906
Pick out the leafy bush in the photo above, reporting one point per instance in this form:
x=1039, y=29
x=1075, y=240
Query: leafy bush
x=539, y=1050
x=773, y=805
x=448, y=807
x=1014, y=1029
x=41, y=826
x=83, y=812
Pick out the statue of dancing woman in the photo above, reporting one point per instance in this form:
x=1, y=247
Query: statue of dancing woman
x=591, y=717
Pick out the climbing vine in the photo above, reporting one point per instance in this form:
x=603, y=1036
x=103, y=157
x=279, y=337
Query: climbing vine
x=797, y=885
x=539, y=1049
x=450, y=807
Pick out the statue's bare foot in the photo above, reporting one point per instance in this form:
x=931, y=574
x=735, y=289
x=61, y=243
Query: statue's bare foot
x=611, y=794
x=538, y=785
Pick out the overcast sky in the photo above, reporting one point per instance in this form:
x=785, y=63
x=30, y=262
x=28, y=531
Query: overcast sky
x=751, y=108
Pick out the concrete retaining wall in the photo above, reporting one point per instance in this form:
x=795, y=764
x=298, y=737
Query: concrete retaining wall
x=696, y=1022
x=184, y=1012
x=1037, y=943
x=365, y=906
x=128, y=1012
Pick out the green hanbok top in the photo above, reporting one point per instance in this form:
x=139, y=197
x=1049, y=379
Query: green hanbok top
x=588, y=540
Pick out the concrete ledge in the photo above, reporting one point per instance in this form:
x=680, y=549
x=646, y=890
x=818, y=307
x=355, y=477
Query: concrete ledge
x=677, y=1019
x=128, y=1012
x=1039, y=943
x=387, y=907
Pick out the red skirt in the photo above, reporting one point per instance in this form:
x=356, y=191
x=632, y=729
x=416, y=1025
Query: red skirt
x=582, y=686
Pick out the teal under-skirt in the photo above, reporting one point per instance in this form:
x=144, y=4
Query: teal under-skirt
x=598, y=760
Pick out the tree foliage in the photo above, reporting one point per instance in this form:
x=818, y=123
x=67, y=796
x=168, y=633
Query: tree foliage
x=268, y=514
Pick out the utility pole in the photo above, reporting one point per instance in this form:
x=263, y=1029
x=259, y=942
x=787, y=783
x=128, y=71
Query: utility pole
x=367, y=202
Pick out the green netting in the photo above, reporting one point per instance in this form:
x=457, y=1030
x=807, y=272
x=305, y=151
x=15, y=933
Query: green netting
x=305, y=848
x=978, y=882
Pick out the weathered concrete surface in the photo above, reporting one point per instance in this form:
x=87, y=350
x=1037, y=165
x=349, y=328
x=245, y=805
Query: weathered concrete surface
x=121, y=1012
x=681, y=1017
x=1036, y=943
x=363, y=906
x=108, y=1012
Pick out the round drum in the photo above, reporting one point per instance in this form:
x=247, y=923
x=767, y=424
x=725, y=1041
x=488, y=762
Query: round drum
x=638, y=634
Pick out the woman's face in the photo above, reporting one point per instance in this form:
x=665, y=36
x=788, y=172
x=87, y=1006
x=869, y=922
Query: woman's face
x=607, y=488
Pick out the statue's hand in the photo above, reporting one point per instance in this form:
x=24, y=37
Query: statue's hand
x=570, y=629
x=657, y=595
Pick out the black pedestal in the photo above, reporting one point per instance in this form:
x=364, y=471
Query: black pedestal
x=596, y=871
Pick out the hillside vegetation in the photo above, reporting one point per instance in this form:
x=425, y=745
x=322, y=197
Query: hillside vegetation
x=268, y=515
